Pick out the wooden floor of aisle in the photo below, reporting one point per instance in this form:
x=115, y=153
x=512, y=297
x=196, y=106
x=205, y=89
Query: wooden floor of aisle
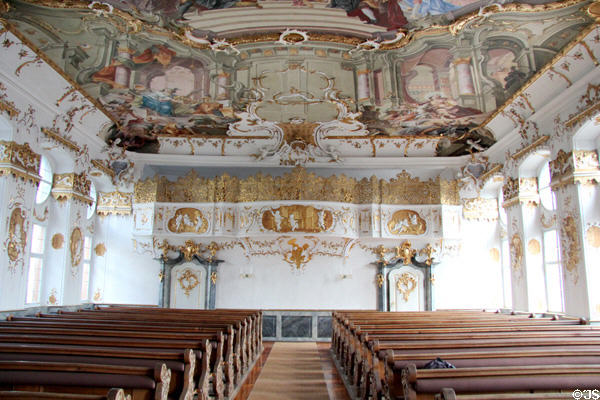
x=294, y=371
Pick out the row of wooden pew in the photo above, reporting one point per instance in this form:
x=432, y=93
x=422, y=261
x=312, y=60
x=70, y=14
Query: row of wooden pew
x=385, y=355
x=149, y=353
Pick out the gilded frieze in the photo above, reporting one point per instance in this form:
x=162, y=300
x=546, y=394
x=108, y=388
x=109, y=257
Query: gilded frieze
x=19, y=160
x=297, y=185
x=114, y=203
x=297, y=218
x=72, y=186
x=188, y=220
x=406, y=222
x=76, y=247
x=570, y=246
x=406, y=284
x=480, y=209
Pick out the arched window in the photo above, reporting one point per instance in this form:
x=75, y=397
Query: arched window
x=92, y=207
x=546, y=194
x=45, y=185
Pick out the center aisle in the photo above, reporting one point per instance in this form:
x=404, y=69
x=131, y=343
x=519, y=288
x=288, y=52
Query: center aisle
x=293, y=371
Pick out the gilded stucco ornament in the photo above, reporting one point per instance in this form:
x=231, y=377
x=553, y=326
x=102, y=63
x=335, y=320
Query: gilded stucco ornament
x=406, y=222
x=406, y=284
x=516, y=253
x=188, y=280
x=19, y=160
x=297, y=185
x=52, y=300
x=297, y=218
x=480, y=209
x=114, y=203
x=379, y=279
x=188, y=220
x=405, y=253
x=72, y=186
x=100, y=249
x=76, y=247
x=57, y=241
x=578, y=166
x=189, y=249
x=17, y=235
x=520, y=191
x=570, y=246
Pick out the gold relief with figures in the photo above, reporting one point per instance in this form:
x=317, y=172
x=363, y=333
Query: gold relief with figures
x=57, y=241
x=406, y=222
x=76, y=247
x=114, y=203
x=406, y=284
x=297, y=185
x=516, y=252
x=534, y=247
x=479, y=209
x=570, y=246
x=17, y=235
x=297, y=218
x=592, y=235
x=19, y=160
x=188, y=220
x=100, y=249
x=188, y=281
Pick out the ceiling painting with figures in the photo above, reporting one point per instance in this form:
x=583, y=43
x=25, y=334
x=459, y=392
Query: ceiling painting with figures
x=335, y=73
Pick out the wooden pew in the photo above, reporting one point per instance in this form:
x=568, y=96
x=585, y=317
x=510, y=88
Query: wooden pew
x=425, y=383
x=140, y=382
x=113, y=394
x=449, y=394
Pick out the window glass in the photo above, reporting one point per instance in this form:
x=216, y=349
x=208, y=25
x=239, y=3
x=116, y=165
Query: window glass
x=506, y=279
x=546, y=194
x=553, y=271
x=34, y=276
x=45, y=185
x=87, y=261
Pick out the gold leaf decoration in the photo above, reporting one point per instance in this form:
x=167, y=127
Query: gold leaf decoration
x=534, y=247
x=571, y=246
x=100, y=249
x=406, y=284
x=406, y=222
x=188, y=220
x=516, y=252
x=57, y=241
x=17, y=235
x=188, y=280
x=297, y=218
x=76, y=247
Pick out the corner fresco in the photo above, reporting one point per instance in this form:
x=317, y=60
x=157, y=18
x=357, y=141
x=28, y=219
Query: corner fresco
x=154, y=84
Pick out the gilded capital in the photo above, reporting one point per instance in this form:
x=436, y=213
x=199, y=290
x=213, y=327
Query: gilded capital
x=72, y=186
x=19, y=160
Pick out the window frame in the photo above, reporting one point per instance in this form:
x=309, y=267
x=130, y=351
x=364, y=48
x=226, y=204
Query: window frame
x=86, y=262
x=39, y=256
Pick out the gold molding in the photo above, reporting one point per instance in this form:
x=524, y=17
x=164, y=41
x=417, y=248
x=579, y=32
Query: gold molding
x=114, y=203
x=536, y=143
x=54, y=135
x=99, y=164
x=297, y=185
x=19, y=160
x=72, y=186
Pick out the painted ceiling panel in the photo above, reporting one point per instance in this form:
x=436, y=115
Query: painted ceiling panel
x=424, y=75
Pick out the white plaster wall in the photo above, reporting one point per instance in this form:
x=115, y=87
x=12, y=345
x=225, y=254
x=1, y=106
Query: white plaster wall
x=472, y=278
x=276, y=285
x=125, y=275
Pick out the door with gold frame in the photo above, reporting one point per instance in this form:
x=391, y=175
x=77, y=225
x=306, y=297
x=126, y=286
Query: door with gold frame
x=188, y=286
x=406, y=289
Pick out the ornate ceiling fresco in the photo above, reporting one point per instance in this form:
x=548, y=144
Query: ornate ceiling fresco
x=300, y=81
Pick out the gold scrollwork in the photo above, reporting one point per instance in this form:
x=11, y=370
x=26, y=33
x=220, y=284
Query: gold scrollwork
x=571, y=246
x=17, y=235
x=379, y=279
x=297, y=218
x=298, y=256
x=188, y=220
x=406, y=284
x=188, y=280
x=516, y=249
x=405, y=252
x=189, y=249
x=406, y=222
x=213, y=277
x=76, y=247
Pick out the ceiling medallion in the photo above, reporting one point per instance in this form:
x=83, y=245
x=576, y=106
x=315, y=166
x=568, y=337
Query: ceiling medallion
x=292, y=37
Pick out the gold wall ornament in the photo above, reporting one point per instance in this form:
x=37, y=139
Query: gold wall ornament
x=570, y=246
x=97, y=295
x=405, y=253
x=189, y=249
x=114, y=203
x=516, y=252
x=593, y=236
x=100, y=249
x=380, y=252
x=480, y=209
x=297, y=218
x=406, y=222
x=52, y=298
x=54, y=135
x=72, y=186
x=406, y=284
x=379, y=279
x=188, y=220
x=297, y=185
x=510, y=191
x=534, y=247
x=520, y=191
x=298, y=256
x=428, y=252
x=57, y=241
x=495, y=254
x=213, y=277
x=76, y=247
x=17, y=235
x=188, y=280
x=19, y=160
